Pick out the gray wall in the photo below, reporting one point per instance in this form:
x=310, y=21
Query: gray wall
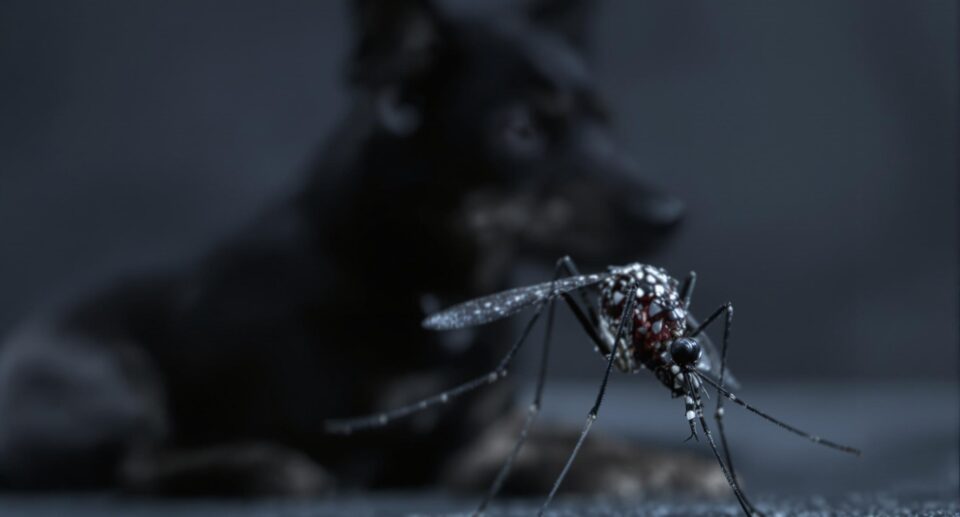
x=815, y=143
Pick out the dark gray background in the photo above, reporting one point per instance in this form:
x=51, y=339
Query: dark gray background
x=815, y=143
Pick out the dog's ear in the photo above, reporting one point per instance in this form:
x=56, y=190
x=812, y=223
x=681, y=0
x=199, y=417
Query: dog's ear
x=569, y=18
x=398, y=43
x=396, y=39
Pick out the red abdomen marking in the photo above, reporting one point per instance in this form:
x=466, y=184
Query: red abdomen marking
x=658, y=316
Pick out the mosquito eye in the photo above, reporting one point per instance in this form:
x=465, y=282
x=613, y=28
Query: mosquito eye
x=685, y=351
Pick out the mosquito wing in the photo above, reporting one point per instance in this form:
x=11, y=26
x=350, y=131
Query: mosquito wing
x=710, y=360
x=505, y=303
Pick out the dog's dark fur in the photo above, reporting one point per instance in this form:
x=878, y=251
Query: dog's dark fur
x=473, y=142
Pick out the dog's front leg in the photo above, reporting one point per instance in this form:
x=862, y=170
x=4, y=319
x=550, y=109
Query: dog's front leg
x=254, y=469
x=606, y=465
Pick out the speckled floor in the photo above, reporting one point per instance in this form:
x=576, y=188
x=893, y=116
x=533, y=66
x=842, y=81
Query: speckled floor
x=433, y=504
x=909, y=466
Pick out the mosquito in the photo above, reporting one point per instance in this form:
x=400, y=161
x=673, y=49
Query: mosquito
x=639, y=321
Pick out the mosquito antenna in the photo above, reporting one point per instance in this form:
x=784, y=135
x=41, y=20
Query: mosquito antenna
x=813, y=438
x=695, y=384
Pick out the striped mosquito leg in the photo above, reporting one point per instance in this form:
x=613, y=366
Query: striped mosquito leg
x=351, y=425
x=592, y=415
x=690, y=411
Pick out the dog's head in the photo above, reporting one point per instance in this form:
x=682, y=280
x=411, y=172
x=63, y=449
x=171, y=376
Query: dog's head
x=518, y=138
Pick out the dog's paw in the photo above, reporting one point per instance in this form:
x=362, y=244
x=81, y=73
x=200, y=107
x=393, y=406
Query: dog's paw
x=247, y=470
x=284, y=472
x=605, y=466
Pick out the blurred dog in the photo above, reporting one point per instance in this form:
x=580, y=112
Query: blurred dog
x=474, y=140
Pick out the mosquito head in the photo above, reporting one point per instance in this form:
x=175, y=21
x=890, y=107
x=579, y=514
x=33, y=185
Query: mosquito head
x=685, y=351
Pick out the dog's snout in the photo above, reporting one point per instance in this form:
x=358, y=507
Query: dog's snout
x=639, y=201
x=654, y=209
x=617, y=172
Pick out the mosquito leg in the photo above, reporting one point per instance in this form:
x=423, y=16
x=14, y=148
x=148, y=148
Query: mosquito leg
x=727, y=310
x=710, y=319
x=588, y=317
x=584, y=320
x=592, y=415
x=571, y=268
x=350, y=425
x=690, y=411
x=534, y=406
x=718, y=413
x=686, y=291
x=741, y=498
x=813, y=438
x=532, y=413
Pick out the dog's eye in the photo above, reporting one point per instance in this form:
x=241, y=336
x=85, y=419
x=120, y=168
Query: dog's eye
x=522, y=132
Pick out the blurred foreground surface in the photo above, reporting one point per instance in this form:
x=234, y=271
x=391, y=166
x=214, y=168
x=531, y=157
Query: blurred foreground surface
x=427, y=504
x=908, y=432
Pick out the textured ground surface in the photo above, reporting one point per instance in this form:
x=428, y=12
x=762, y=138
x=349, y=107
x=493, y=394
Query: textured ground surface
x=425, y=504
x=908, y=432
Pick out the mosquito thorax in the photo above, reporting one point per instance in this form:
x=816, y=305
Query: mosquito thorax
x=658, y=317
